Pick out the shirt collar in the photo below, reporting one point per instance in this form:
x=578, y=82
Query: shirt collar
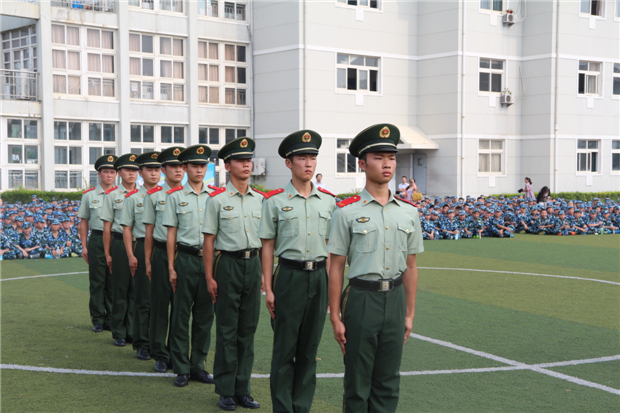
x=292, y=191
x=99, y=189
x=188, y=188
x=366, y=198
x=232, y=191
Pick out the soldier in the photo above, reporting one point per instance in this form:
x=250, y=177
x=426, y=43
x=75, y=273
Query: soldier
x=121, y=320
x=7, y=250
x=450, y=227
x=380, y=237
x=428, y=231
x=133, y=238
x=295, y=227
x=156, y=258
x=71, y=237
x=99, y=278
x=183, y=217
x=465, y=225
x=497, y=225
x=28, y=245
x=55, y=240
x=545, y=224
x=231, y=221
x=594, y=223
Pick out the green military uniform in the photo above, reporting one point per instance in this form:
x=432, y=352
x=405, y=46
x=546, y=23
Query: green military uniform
x=300, y=228
x=185, y=210
x=121, y=321
x=132, y=216
x=100, y=284
x=162, y=296
x=376, y=239
x=234, y=218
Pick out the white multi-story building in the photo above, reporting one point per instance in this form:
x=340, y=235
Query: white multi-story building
x=484, y=92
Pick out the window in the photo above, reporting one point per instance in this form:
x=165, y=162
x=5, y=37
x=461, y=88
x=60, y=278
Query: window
x=61, y=179
x=617, y=15
x=16, y=179
x=170, y=133
x=75, y=179
x=72, y=129
x=171, y=5
x=143, y=133
x=74, y=152
x=357, y=72
x=95, y=153
x=235, y=69
x=490, y=75
x=592, y=7
x=209, y=72
x=208, y=8
x=22, y=129
x=93, y=179
x=140, y=151
x=209, y=136
x=616, y=78
x=234, y=11
x=97, y=131
x=615, y=156
x=587, y=156
x=345, y=162
x=373, y=4
x=494, y=5
x=589, y=78
x=23, y=154
x=19, y=49
x=490, y=156
x=145, y=4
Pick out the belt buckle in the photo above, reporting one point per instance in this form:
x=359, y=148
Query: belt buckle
x=310, y=265
x=247, y=254
x=199, y=253
x=384, y=286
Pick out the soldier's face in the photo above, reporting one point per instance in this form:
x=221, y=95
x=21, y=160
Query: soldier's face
x=379, y=166
x=107, y=176
x=543, y=213
x=195, y=172
x=150, y=175
x=28, y=230
x=55, y=227
x=174, y=173
x=239, y=168
x=302, y=166
x=128, y=175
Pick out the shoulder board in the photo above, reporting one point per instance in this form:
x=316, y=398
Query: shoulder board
x=274, y=192
x=178, y=188
x=128, y=194
x=215, y=188
x=88, y=190
x=111, y=189
x=404, y=200
x=348, y=201
x=217, y=192
x=260, y=192
x=325, y=191
x=153, y=190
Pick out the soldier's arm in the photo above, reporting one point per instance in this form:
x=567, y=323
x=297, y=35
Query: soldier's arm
x=128, y=242
x=148, y=247
x=171, y=250
x=334, y=288
x=107, y=238
x=267, y=265
x=84, y=239
x=211, y=224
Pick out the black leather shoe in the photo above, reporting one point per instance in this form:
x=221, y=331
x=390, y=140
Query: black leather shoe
x=107, y=328
x=203, y=377
x=143, y=354
x=129, y=340
x=161, y=366
x=247, y=402
x=98, y=328
x=228, y=403
x=120, y=342
x=181, y=380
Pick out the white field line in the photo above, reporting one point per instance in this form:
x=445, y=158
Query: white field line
x=45, y=275
x=536, y=368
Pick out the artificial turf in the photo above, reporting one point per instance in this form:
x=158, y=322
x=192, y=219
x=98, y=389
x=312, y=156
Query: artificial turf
x=524, y=318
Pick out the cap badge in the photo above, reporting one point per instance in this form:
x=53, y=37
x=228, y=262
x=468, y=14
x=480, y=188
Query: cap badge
x=306, y=138
x=385, y=132
x=132, y=158
x=176, y=152
x=154, y=156
x=110, y=158
x=244, y=143
x=200, y=150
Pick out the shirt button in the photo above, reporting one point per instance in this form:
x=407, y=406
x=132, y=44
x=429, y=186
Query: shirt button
x=365, y=231
x=307, y=250
x=384, y=208
x=200, y=210
x=201, y=223
x=387, y=227
x=246, y=216
x=309, y=233
x=387, y=268
x=308, y=216
x=387, y=248
x=288, y=219
x=247, y=230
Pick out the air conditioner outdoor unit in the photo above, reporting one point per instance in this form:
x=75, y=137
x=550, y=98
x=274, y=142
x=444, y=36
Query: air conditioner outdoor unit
x=509, y=19
x=259, y=166
x=506, y=99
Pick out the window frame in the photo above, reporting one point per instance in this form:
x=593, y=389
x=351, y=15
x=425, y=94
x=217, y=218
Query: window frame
x=601, y=16
x=24, y=160
x=491, y=10
x=589, y=152
x=156, y=6
x=203, y=8
x=24, y=172
x=586, y=73
x=12, y=48
x=615, y=152
x=345, y=151
x=491, y=71
x=345, y=4
x=22, y=129
x=490, y=151
x=615, y=77
x=366, y=68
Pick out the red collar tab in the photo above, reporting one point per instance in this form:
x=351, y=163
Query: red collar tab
x=153, y=190
x=260, y=192
x=215, y=188
x=348, y=201
x=178, y=188
x=325, y=191
x=274, y=192
x=88, y=190
x=111, y=189
x=128, y=194
x=404, y=200
x=217, y=191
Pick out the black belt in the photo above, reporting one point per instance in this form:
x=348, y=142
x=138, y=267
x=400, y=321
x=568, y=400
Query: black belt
x=241, y=254
x=96, y=231
x=379, y=285
x=189, y=250
x=140, y=239
x=117, y=235
x=309, y=265
x=160, y=244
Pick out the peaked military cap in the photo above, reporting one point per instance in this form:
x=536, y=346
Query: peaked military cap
x=169, y=156
x=300, y=143
x=126, y=161
x=105, y=162
x=26, y=225
x=382, y=137
x=195, y=154
x=148, y=159
x=240, y=148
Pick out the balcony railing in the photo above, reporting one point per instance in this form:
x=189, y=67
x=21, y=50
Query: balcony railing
x=94, y=5
x=20, y=85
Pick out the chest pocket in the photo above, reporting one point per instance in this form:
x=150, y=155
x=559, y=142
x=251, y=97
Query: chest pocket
x=229, y=221
x=185, y=214
x=404, y=229
x=159, y=208
x=138, y=212
x=117, y=204
x=288, y=225
x=365, y=237
x=256, y=220
x=324, y=220
x=96, y=205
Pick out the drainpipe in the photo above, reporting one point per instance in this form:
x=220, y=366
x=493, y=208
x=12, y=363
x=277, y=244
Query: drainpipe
x=464, y=8
x=555, y=109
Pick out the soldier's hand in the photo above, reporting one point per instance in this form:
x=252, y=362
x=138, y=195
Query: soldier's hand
x=25, y=254
x=270, y=301
x=148, y=270
x=339, y=335
x=212, y=287
x=108, y=260
x=262, y=284
x=85, y=254
x=408, y=328
x=173, y=279
x=133, y=265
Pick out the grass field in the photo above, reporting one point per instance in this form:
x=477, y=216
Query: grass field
x=504, y=339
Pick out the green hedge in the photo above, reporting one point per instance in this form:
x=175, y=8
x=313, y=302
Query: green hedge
x=579, y=196
x=24, y=195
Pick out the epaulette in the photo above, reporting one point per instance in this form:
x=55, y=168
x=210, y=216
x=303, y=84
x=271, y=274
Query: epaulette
x=404, y=200
x=178, y=188
x=348, y=201
x=260, y=192
x=215, y=188
x=128, y=194
x=88, y=190
x=153, y=190
x=325, y=191
x=217, y=192
x=274, y=192
x=111, y=189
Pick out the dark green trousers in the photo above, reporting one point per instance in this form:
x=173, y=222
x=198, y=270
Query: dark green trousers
x=237, y=309
x=141, y=299
x=100, y=282
x=121, y=320
x=162, y=299
x=375, y=324
x=191, y=299
x=300, y=309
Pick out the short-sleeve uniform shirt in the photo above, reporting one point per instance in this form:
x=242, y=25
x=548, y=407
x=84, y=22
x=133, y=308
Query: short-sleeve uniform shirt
x=92, y=206
x=133, y=212
x=113, y=208
x=234, y=219
x=185, y=211
x=154, y=207
x=299, y=226
x=376, y=239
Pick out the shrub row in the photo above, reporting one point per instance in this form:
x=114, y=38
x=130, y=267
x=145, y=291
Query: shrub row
x=24, y=195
